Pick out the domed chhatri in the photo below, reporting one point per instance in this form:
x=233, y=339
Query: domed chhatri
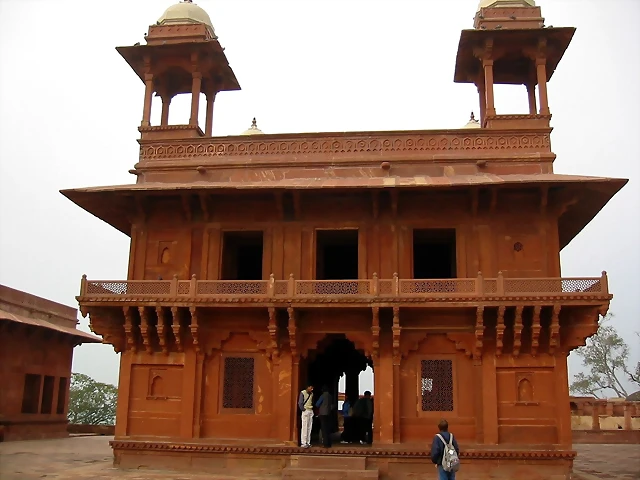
x=472, y=123
x=253, y=129
x=185, y=12
x=506, y=3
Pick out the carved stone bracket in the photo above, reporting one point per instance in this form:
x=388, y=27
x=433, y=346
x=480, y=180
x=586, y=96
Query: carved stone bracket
x=274, y=349
x=194, y=328
x=293, y=335
x=108, y=324
x=463, y=341
x=479, y=334
x=161, y=331
x=517, y=331
x=500, y=328
x=375, y=333
x=535, y=330
x=395, y=331
x=129, y=329
x=554, y=334
x=175, y=314
x=144, y=329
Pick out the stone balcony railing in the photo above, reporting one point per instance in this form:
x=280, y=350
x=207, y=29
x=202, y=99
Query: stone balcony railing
x=364, y=289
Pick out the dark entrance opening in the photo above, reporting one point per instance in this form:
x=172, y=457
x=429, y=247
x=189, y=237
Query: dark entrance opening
x=337, y=254
x=434, y=253
x=242, y=256
x=333, y=357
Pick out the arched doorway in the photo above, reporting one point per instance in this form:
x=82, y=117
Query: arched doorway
x=333, y=357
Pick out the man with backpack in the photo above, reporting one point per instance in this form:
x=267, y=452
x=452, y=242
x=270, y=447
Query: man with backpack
x=444, y=452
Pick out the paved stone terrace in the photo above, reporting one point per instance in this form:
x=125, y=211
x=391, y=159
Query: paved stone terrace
x=90, y=457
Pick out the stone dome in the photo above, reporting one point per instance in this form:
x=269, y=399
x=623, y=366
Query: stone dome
x=253, y=129
x=506, y=3
x=472, y=123
x=185, y=12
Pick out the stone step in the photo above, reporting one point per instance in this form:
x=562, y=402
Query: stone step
x=329, y=462
x=293, y=473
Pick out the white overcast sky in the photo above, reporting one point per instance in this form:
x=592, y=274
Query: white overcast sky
x=70, y=107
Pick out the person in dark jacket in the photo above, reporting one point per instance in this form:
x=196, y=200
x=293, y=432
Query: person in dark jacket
x=363, y=414
x=437, y=450
x=325, y=407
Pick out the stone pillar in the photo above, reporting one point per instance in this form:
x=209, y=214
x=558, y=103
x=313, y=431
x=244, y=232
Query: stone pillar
x=352, y=385
x=483, y=100
x=383, y=409
x=489, y=399
x=124, y=387
x=208, y=128
x=531, y=91
x=148, y=96
x=488, y=85
x=627, y=416
x=197, y=408
x=608, y=409
x=195, y=98
x=563, y=407
x=188, y=393
x=541, y=71
x=595, y=416
x=166, y=101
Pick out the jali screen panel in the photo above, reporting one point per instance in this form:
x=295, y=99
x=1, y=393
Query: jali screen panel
x=238, y=383
x=436, y=381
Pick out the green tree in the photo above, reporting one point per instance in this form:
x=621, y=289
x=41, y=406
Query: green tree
x=91, y=402
x=606, y=357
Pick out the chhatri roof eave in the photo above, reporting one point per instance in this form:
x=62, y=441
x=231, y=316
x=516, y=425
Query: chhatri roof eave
x=133, y=55
x=558, y=40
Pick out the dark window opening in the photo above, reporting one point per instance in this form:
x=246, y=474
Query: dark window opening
x=47, y=395
x=31, y=393
x=237, y=391
x=436, y=385
x=337, y=254
x=242, y=256
x=434, y=253
x=62, y=395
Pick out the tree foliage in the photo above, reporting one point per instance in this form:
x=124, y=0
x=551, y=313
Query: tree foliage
x=606, y=357
x=91, y=402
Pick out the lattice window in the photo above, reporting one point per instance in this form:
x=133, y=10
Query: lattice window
x=436, y=385
x=238, y=383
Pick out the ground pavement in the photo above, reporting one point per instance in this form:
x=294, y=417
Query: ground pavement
x=80, y=458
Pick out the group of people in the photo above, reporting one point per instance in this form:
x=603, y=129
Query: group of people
x=358, y=419
x=358, y=427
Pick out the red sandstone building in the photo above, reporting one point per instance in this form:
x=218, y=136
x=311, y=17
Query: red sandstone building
x=37, y=337
x=262, y=262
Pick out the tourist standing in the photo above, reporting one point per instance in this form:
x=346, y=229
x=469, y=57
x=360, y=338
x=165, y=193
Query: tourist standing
x=444, y=452
x=305, y=404
x=347, y=421
x=363, y=414
x=325, y=407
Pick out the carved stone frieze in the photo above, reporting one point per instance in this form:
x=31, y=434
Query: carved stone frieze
x=359, y=145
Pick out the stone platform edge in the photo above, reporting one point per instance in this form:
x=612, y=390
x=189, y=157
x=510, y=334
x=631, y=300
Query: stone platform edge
x=521, y=453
